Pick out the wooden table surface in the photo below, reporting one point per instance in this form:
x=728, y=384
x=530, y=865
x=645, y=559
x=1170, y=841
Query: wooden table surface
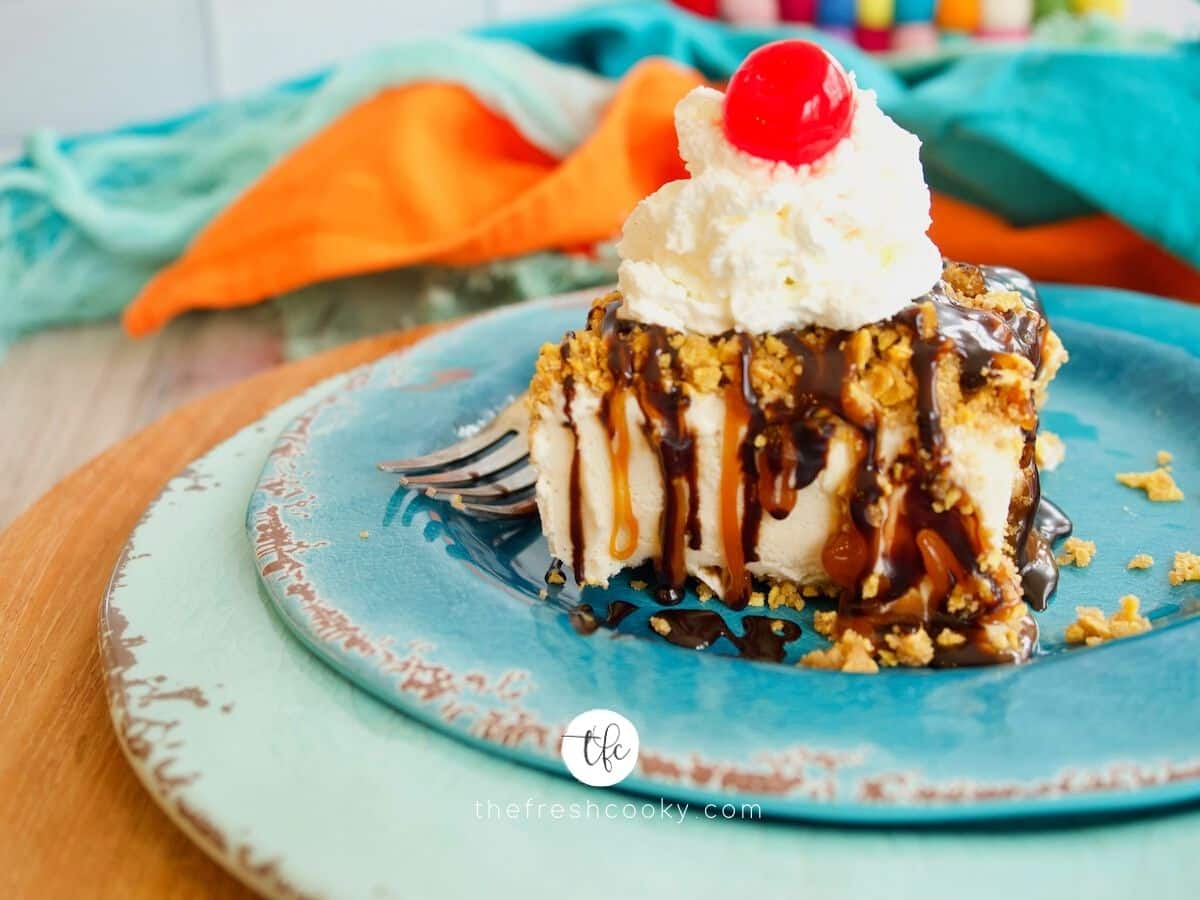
x=70, y=393
x=74, y=820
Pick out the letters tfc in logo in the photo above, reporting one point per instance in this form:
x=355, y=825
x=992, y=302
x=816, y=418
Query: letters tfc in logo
x=600, y=747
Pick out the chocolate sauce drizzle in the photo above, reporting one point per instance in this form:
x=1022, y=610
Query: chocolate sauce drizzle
x=584, y=620
x=574, y=495
x=663, y=404
x=773, y=451
x=1039, y=570
x=764, y=638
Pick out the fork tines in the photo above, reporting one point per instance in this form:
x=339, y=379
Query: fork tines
x=488, y=472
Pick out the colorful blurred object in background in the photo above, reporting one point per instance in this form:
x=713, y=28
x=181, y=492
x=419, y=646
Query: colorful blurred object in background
x=905, y=25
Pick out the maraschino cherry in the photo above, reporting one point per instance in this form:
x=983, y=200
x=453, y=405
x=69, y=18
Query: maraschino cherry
x=789, y=102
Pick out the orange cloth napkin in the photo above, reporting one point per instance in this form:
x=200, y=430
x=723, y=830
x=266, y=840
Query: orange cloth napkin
x=1088, y=250
x=427, y=174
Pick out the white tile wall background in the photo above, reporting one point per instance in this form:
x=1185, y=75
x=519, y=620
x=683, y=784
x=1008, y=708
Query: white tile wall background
x=260, y=42
x=78, y=65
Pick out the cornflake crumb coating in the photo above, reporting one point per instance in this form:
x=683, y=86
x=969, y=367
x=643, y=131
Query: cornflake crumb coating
x=1091, y=627
x=851, y=653
x=1077, y=552
x=909, y=648
x=882, y=378
x=1185, y=568
x=824, y=622
x=948, y=638
x=1159, y=485
x=785, y=593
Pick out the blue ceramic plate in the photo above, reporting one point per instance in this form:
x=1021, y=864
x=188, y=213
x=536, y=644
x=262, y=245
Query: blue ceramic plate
x=439, y=614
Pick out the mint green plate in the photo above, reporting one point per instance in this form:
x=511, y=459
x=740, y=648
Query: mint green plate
x=300, y=783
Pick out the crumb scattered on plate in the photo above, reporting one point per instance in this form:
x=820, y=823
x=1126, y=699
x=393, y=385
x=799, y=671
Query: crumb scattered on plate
x=703, y=592
x=1141, y=561
x=1049, y=451
x=824, y=622
x=1164, y=458
x=908, y=648
x=1077, y=552
x=1091, y=627
x=758, y=598
x=851, y=653
x=1158, y=484
x=1186, y=568
x=948, y=638
x=364, y=534
x=637, y=584
x=661, y=625
x=785, y=593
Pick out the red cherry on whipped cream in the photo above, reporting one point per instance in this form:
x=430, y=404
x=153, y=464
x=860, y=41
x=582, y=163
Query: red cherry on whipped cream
x=789, y=102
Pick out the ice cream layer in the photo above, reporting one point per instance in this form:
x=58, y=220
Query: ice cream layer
x=986, y=462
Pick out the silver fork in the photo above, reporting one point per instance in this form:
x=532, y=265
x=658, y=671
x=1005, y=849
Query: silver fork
x=488, y=472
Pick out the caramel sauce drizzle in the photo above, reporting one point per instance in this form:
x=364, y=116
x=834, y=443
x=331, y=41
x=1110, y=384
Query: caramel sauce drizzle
x=624, y=521
x=845, y=557
x=941, y=565
x=657, y=389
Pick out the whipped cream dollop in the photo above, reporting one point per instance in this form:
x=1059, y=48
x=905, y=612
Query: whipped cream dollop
x=761, y=246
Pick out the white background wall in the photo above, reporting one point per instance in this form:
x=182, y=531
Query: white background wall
x=78, y=65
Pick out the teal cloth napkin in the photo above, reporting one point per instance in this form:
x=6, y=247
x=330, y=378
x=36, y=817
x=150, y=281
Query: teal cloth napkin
x=1044, y=134
x=86, y=221
x=1036, y=135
